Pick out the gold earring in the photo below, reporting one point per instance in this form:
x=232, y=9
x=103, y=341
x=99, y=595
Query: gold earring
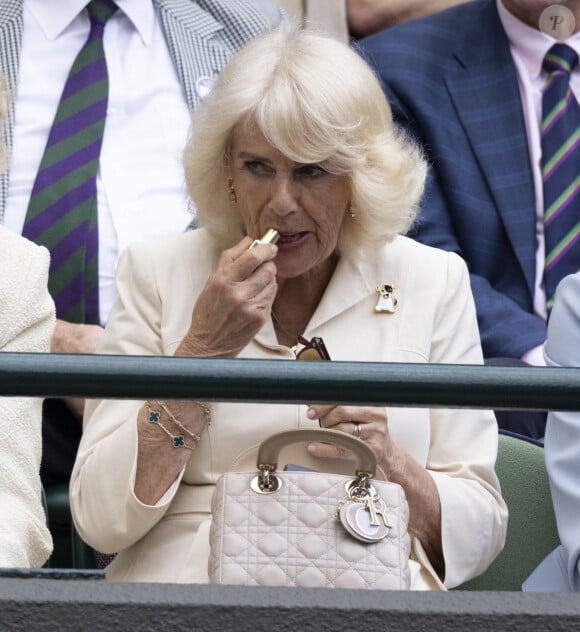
x=351, y=211
x=232, y=191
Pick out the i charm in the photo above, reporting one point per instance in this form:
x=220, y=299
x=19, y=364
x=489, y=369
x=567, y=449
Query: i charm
x=387, y=303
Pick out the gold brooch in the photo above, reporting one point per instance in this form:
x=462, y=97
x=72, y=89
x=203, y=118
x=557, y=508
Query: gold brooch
x=387, y=303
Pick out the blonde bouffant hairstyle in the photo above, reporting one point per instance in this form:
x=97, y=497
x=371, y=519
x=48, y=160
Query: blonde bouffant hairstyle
x=316, y=101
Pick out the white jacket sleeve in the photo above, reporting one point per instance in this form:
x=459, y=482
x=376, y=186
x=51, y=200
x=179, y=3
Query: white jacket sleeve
x=464, y=446
x=26, y=325
x=562, y=441
x=109, y=441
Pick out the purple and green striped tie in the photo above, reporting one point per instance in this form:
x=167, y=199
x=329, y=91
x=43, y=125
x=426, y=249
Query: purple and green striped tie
x=560, y=169
x=62, y=212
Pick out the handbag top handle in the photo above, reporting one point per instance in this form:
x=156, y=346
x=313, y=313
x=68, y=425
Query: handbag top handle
x=270, y=447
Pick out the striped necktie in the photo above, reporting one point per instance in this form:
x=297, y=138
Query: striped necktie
x=560, y=169
x=62, y=212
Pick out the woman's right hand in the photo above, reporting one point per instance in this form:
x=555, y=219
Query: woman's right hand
x=234, y=304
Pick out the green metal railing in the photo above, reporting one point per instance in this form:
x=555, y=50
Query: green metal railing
x=279, y=381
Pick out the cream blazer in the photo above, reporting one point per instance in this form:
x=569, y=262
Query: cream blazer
x=26, y=325
x=158, y=283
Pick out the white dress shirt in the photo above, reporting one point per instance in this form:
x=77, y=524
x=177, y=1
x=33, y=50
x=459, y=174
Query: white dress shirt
x=528, y=48
x=140, y=185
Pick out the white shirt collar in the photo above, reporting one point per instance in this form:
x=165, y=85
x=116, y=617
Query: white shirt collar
x=531, y=45
x=55, y=17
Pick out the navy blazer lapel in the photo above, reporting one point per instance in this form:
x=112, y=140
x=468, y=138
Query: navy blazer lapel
x=483, y=86
x=11, y=21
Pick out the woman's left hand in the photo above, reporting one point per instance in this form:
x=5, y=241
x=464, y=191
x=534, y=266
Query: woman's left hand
x=369, y=423
x=400, y=467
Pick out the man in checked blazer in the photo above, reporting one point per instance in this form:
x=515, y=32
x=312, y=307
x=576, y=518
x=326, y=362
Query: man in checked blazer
x=467, y=83
x=162, y=56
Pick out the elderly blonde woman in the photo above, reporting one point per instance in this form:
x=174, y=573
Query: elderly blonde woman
x=26, y=324
x=296, y=136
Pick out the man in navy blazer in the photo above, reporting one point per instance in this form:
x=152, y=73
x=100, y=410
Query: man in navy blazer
x=453, y=83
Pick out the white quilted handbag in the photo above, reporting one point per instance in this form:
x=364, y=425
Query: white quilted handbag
x=306, y=528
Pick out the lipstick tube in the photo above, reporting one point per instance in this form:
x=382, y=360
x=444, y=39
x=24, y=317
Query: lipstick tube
x=271, y=236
